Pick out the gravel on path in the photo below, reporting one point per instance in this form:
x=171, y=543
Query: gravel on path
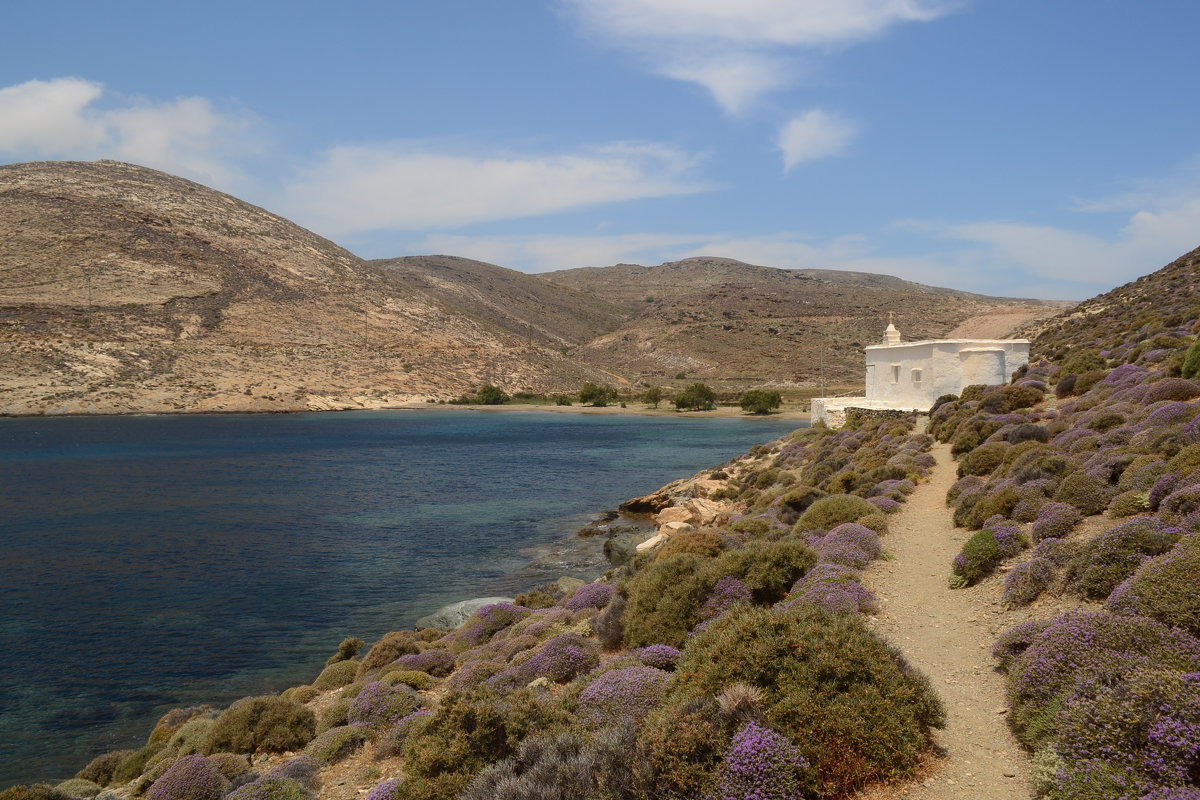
x=947, y=634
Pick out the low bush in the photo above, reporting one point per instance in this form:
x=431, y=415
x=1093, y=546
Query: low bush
x=193, y=737
x=470, y=730
x=265, y=724
x=607, y=625
x=175, y=719
x=1055, y=521
x=767, y=569
x=659, y=656
x=995, y=499
x=422, y=681
x=271, y=787
x=336, y=675
x=334, y=714
x=834, y=588
x=1165, y=588
x=487, y=622
x=630, y=693
x=1127, y=504
x=763, y=765
x=386, y=650
x=1114, y=555
x=135, y=763
x=78, y=787
x=1088, y=494
x=435, y=661
x=705, y=544
x=831, y=511
x=1079, y=644
x=347, y=649
x=1025, y=582
x=590, y=595
x=1170, y=389
x=379, y=705
x=101, y=768
x=562, y=767
x=337, y=743
x=192, y=777
x=850, y=704
x=977, y=559
x=391, y=741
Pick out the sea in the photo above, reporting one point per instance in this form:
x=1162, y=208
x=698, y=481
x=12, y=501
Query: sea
x=155, y=562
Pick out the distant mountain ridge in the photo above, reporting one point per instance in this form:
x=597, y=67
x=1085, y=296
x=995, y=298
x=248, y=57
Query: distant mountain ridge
x=124, y=289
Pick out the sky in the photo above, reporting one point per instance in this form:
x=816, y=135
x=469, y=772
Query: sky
x=1029, y=148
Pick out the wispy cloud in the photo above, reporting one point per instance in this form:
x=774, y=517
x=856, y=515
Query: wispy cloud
x=415, y=186
x=753, y=39
x=75, y=118
x=813, y=135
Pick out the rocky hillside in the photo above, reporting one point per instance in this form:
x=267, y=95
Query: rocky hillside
x=1150, y=319
x=125, y=289
x=716, y=318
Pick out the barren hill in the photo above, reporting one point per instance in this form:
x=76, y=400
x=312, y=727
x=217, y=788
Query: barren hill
x=717, y=318
x=1157, y=312
x=126, y=289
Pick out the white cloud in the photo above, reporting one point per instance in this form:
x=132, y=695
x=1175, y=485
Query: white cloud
x=62, y=118
x=747, y=35
x=813, y=135
x=408, y=186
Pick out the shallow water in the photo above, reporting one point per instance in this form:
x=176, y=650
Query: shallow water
x=154, y=562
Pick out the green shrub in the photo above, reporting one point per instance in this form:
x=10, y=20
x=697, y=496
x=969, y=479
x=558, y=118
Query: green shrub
x=664, y=601
x=978, y=507
x=964, y=441
x=705, y=544
x=1165, y=588
x=855, y=710
x=596, y=395
x=489, y=395
x=697, y=397
x=680, y=747
x=1082, y=360
x=388, y=649
x=1126, y=504
x=979, y=556
x=191, y=738
x=135, y=763
x=337, y=675
x=984, y=459
x=347, y=650
x=1191, y=361
x=973, y=392
x=831, y=511
x=38, y=791
x=1089, y=379
x=174, y=719
x=1090, y=495
x=301, y=694
x=101, y=768
x=230, y=765
x=78, y=787
x=262, y=724
x=767, y=568
x=421, y=681
x=471, y=730
x=335, y=714
x=337, y=743
x=751, y=526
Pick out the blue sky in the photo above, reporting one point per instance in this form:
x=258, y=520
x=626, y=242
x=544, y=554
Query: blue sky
x=1017, y=147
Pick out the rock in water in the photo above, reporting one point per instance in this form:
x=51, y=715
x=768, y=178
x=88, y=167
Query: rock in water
x=456, y=614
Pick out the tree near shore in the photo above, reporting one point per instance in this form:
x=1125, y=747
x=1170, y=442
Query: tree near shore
x=697, y=397
x=596, y=395
x=652, y=396
x=760, y=401
x=489, y=395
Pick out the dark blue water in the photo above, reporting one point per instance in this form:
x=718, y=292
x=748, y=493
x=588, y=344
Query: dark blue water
x=154, y=562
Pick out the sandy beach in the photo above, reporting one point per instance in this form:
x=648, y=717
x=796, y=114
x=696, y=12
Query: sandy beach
x=635, y=409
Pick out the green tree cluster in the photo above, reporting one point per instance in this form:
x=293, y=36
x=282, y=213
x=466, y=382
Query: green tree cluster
x=596, y=395
x=760, y=401
x=652, y=396
x=489, y=395
x=696, y=397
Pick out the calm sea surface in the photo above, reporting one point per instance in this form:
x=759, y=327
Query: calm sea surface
x=152, y=562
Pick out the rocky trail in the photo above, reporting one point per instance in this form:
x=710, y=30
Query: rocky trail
x=947, y=634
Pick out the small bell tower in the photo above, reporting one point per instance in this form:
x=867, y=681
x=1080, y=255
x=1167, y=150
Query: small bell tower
x=891, y=335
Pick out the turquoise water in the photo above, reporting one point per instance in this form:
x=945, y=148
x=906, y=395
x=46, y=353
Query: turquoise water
x=154, y=562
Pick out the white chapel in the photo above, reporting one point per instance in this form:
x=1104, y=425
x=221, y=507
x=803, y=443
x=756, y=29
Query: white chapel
x=910, y=376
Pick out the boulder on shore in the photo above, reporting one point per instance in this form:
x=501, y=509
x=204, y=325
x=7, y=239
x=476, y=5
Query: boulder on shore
x=456, y=614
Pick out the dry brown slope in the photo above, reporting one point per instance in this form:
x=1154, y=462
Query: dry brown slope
x=522, y=304
x=721, y=319
x=126, y=289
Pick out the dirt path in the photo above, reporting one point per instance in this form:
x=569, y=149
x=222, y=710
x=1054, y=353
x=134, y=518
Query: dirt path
x=947, y=634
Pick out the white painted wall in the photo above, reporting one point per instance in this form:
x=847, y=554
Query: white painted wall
x=914, y=374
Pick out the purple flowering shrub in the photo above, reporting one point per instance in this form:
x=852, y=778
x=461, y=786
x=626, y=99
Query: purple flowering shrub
x=561, y=767
x=435, y=662
x=560, y=659
x=190, y=778
x=388, y=790
x=885, y=504
x=337, y=743
x=391, y=741
x=590, y=595
x=659, y=656
x=1086, y=492
x=302, y=769
x=762, y=765
x=1181, y=506
x=1126, y=735
x=1114, y=555
x=1058, y=552
x=1165, y=588
x=835, y=588
x=271, y=787
x=828, y=684
x=379, y=705
x=1161, y=489
x=1055, y=520
x=1016, y=640
x=984, y=551
x=1079, y=644
x=1025, y=582
x=486, y=622
x=629, y=693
